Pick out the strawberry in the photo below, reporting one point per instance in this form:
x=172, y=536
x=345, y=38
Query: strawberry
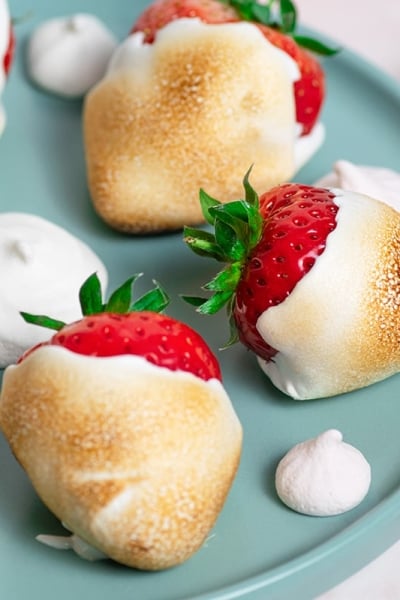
x=309, y=90
x=270, y=244
x=122, y=327
x=9, y=55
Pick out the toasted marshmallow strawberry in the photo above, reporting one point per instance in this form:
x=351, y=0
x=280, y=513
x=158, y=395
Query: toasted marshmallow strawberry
x=7, y=43
x=312, y=284
x=122, y=424
x=190, y=109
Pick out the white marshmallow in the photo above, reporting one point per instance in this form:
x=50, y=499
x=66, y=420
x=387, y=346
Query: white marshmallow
x=323, y=476
x=378, y=182
x=43, y=267
x=68, y=55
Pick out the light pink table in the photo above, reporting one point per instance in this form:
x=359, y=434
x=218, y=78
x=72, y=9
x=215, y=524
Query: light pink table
x=372, y=29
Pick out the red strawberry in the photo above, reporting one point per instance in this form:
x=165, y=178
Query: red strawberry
x=8, y=57
x=120, y=327
x=309, y=90
x=297, y=220
x=269, y=244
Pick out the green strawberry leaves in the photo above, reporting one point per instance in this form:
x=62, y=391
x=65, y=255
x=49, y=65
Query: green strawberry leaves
x=315, y=46
x=237, y=230
x=280, y=15
x=203, y=243
x=42, y=321
x=90, y=296
x=207, y=203
x=226, y=280
x=156, y=300
x=288, y=16
x=120, y=301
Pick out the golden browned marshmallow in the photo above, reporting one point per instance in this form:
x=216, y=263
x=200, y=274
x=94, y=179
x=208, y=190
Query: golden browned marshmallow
x=194, y=109
x=339, y=329
x=135, y=459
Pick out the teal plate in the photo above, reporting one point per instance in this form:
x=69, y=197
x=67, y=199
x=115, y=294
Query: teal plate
x=259, y=549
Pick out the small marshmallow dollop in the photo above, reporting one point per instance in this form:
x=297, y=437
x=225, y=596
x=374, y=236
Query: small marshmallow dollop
x=68, y=55
x=72, y=542
x=323, y=476
x=379, y=182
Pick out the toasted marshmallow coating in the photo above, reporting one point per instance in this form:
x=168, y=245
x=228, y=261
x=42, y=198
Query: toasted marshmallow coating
x=305, y=146
x=194, y=109
x=323, y=476
x=42, y=267
x=134, y=459
x=68, y=55
x=339, y=329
